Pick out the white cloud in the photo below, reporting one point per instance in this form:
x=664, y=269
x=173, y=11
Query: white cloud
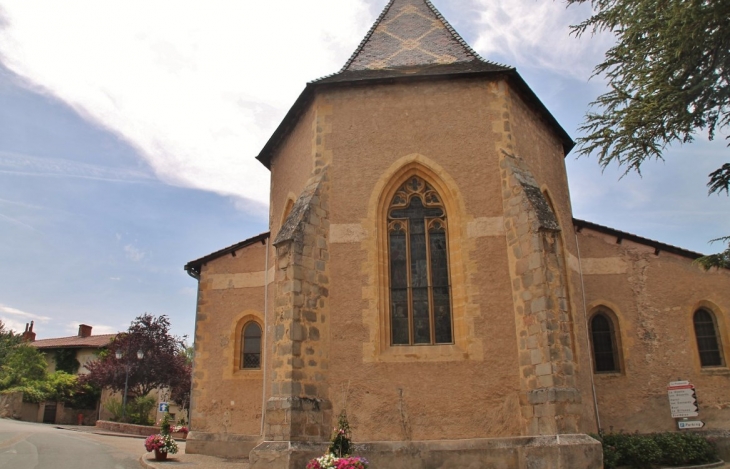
x=537, y=34
x=197, y=87
x=15, y=319
x=133, y=254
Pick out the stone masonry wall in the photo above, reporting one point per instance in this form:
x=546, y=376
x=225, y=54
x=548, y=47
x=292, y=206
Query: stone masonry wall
x=299, y=408
x=551, y=403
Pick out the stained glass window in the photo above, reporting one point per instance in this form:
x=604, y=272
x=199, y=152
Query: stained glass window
x=707, y=342
x=420, y=291
x=605, y=353
x=251, y=346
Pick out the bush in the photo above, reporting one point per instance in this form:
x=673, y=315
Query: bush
x=114, y=406
x=645, y=451
x=138, y=411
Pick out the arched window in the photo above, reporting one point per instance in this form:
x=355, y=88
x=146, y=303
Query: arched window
x=708, y=343
x=251, y=346
x=420, y=290
x=603, y=338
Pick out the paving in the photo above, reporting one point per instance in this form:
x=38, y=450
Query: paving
x=147, y=460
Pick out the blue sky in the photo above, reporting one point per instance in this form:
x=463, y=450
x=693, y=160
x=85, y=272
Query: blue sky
x=128, y=134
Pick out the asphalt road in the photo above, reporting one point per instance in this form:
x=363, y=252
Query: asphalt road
x=26, y=445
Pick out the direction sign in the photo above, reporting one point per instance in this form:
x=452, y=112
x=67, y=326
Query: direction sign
x=682, y=399
x=684, y=425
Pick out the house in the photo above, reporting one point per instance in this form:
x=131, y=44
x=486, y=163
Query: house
x=424, y=273
x=69, y=354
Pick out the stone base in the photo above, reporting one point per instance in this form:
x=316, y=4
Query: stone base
x=539, y=452
x=222, y=445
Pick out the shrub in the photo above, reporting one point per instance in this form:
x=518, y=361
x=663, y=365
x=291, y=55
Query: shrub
x=682, y=449
x=138, y=411
x=645, y=451
x=114, y=406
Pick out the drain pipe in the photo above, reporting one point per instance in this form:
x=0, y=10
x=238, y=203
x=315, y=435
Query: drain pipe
x=588, y=338
x=266, y=335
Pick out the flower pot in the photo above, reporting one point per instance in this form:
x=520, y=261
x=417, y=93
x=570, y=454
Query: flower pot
x=160, y=455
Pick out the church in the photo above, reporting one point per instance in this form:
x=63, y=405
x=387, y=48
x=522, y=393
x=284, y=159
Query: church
x=424, y=273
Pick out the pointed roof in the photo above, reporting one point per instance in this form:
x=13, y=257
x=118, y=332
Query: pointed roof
x=410, y=40
x=410, y=33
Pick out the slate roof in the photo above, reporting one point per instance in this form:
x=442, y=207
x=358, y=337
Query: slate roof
x=92, y=341
x=193, y=267
x=408, y=33
x=410, y=40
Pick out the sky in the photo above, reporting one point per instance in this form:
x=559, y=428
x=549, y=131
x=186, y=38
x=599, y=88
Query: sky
x=128, y=132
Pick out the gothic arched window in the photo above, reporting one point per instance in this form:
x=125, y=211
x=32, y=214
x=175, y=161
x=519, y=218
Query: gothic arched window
x=707, y=341
x=420, y=290
x=603, y=338
x=251, y=346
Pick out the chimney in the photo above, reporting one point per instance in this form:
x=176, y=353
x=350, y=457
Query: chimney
x=84, y=330
x=29, y=335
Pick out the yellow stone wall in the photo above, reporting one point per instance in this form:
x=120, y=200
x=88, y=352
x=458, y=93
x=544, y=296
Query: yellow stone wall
x=654, y=298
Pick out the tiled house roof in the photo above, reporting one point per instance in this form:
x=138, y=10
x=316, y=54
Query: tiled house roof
x=94, y=341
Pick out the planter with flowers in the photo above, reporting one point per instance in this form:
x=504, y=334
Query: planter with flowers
x=338, y=455
x=179, y=431
x=162, y=443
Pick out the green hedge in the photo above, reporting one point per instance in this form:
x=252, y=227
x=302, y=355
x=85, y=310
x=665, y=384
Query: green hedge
x=656, y=449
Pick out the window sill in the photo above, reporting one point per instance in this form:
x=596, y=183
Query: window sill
x=715, y=371
x=256, y=373
x=424, y=353
x=607, y=374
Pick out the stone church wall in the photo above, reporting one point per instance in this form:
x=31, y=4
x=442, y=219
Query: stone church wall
x=653, y=298
x=227, y=401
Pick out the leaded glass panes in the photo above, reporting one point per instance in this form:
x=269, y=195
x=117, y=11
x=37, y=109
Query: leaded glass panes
x=707, y=343
x=604, y=344
x=420, y=292
x=251, y=346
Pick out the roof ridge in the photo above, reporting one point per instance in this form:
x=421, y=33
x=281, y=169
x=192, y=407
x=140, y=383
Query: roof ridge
x=77, y=337
x=366, y=38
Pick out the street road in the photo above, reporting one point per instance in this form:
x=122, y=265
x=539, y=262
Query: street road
x=26, y=445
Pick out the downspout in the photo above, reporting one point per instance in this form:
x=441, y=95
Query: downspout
x=266, y=335
x=196, y=275
x=588, y=338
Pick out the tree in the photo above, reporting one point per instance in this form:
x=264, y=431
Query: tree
x=161, y=365
x=8, y=340
x=23, y=366
x=668, y=78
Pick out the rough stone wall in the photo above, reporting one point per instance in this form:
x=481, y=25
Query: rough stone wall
x=225, y=398
x=298, y=408
x=551, y=403
x=11, y=405
x=653, y=297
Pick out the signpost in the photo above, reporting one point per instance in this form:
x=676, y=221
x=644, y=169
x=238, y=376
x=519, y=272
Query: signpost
x=163, y=407
x=683, y=404
x=684, y=425
x=682, y=399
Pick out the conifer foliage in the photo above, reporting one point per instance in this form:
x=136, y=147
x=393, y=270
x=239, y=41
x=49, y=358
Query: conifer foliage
x=668, y=78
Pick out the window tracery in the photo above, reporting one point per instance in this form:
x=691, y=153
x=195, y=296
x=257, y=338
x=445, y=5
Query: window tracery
x=420, y=289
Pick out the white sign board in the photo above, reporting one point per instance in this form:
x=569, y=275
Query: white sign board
x=690, y=424
x=682, y=400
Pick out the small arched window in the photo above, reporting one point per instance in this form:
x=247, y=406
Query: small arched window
x=251, y=346
x=603, y=338
x=420, y=290
x=708, y=343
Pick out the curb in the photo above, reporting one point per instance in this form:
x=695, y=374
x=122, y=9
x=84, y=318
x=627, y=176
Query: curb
x=145, y=463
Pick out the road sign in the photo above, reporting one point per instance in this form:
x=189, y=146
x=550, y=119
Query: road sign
x=682, y=399
x=163, y=407
x=684, y=425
